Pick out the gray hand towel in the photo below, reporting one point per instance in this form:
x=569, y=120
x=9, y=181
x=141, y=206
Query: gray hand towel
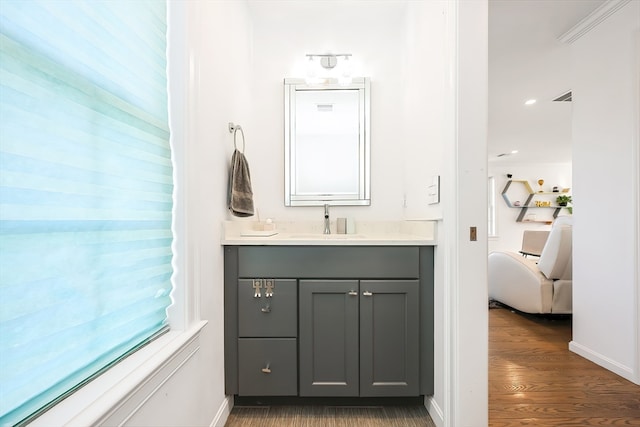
x=240, y=197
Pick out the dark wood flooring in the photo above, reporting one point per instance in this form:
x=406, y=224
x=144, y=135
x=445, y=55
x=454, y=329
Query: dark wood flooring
x=534, y=380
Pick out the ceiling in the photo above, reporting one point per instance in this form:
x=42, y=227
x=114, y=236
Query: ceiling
x=527, y=61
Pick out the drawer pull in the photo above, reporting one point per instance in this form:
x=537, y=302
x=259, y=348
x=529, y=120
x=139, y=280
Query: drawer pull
x=266, y=370
x=266, y=309
x=367, y=293
x=353, y=293
x=257, y=285
x=269, y=285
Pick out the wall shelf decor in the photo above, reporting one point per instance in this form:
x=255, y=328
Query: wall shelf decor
x=534, y=200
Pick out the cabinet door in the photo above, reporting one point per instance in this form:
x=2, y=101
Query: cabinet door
x=328, y=337
x=389, y=338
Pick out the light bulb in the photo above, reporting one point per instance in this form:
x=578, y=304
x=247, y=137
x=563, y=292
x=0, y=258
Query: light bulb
x=344, y=76
x=312, y=71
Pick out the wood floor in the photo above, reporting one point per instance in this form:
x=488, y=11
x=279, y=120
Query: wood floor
x=534, y=380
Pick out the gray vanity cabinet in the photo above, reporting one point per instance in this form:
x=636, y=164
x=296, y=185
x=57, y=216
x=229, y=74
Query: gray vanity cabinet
x=342, y=321
x=359, y=338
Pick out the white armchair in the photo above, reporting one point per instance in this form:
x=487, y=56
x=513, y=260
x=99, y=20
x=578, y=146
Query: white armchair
x=535, y=286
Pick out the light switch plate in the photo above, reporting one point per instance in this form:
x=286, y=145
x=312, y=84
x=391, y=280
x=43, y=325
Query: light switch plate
x=433, y=190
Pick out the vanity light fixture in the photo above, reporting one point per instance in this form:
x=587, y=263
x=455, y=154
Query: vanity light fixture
x=329, y=65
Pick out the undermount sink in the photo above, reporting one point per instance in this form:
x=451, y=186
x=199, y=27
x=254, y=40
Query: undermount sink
x=327, y=236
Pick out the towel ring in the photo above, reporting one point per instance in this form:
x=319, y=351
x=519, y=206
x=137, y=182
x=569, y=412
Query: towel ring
x=238, y=128
x=235, y=128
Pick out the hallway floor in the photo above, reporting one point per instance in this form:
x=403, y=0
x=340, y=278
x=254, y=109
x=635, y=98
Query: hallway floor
x=534, y=380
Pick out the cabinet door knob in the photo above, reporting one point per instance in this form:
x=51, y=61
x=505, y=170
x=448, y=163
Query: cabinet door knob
x=266, y=309
x=367, y=293
x=353, y=293
x=266, y=369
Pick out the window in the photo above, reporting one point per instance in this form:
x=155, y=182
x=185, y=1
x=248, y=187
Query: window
x=86, y=193
x=491, y=203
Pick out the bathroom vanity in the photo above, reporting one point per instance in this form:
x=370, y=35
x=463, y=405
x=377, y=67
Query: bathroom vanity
x=319, y=316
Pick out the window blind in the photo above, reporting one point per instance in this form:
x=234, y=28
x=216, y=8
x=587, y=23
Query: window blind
x=86, y=192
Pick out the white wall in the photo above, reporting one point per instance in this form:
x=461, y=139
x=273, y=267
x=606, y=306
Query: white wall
x=424, y=129
x=220, y=41
x=283, y=32
x=400, y=46
x=605, y=164
x=423, y=120
x=465, y=260
x=217, y=72
x=509, y=231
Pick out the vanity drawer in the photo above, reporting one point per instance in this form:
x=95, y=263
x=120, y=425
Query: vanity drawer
x=267, y=367
x=274, y=316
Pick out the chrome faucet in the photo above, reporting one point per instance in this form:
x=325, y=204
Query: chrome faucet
x=327, y=230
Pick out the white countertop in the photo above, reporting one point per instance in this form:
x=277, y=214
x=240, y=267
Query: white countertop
x=369, y=233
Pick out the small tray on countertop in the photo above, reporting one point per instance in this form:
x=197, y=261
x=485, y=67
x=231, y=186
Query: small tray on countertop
x=258, y=233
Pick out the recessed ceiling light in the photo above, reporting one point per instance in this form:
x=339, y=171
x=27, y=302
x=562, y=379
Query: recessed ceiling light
x=514, y=151
x=530, y=102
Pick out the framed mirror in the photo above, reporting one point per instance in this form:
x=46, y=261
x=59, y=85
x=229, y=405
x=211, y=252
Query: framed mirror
x=327, y=143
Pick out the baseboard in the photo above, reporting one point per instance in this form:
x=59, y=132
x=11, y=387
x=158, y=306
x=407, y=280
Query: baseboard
x=435, y=412
x=599, y=359
x=223, y=412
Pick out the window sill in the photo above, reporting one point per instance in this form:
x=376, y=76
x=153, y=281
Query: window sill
x=103, y=396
